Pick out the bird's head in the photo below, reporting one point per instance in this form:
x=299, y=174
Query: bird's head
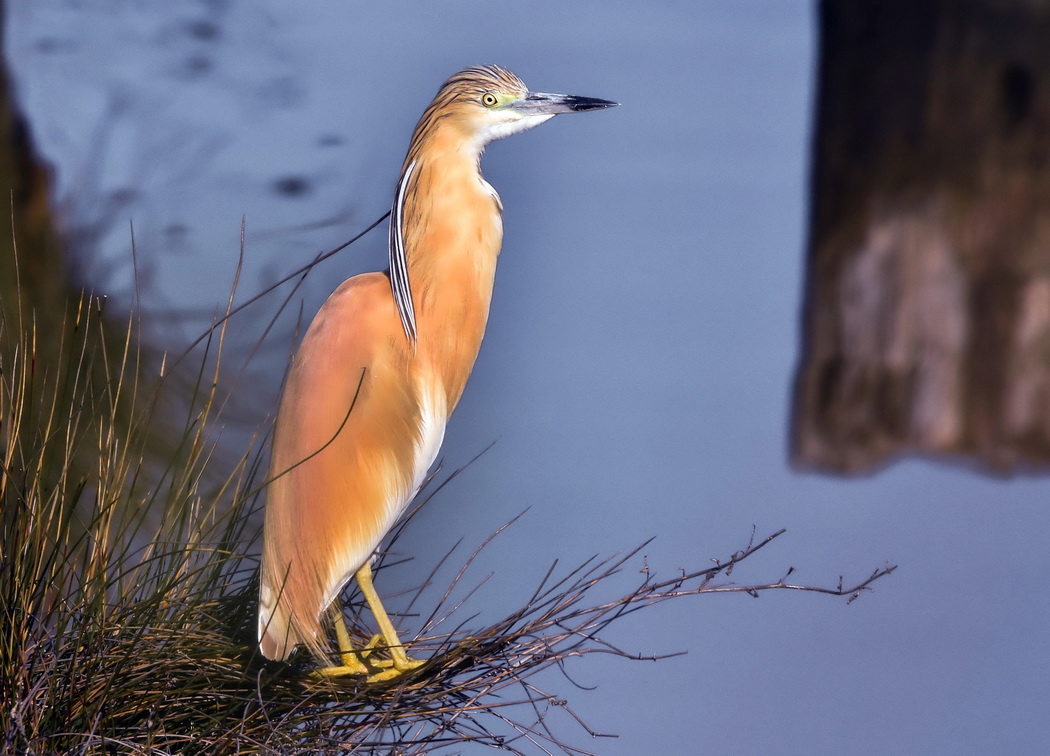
x=489, y=103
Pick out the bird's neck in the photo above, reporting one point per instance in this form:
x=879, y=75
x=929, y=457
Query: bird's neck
x=453, y=232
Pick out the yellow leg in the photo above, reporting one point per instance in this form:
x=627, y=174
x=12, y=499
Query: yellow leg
x=347, y=655
x=367, y=649
x=401, y=661
x=352, y=661
x=358, y=662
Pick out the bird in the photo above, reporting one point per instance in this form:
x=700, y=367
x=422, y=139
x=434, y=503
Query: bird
x=379, y=371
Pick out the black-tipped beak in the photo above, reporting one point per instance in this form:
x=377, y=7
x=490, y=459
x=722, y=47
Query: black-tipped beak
x=542, y=103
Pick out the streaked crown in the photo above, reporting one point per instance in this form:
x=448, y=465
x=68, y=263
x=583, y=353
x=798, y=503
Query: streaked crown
x=484, y=103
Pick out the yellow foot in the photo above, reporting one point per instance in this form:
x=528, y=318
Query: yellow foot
x=380, y=670
x=367, y=649
x=357, y=662
x=394, y=669
x=365, y=652
x=343, y=670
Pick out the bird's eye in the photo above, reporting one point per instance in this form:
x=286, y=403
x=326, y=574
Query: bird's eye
x=488, y=100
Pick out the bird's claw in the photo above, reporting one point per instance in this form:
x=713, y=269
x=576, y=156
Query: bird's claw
x=357, y=663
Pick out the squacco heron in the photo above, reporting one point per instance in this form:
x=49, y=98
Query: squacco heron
x=380, y=370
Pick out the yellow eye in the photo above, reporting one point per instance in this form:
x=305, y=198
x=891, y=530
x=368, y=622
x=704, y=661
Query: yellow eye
x=489, y=100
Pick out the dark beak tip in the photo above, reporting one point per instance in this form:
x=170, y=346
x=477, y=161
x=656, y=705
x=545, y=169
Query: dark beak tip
x=551, y=104
x=581, y=104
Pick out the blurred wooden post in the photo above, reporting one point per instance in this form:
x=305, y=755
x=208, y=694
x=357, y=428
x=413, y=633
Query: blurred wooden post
x=29, y=244
x=927, y=311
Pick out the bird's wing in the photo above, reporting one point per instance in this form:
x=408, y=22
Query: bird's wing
x=344, y=460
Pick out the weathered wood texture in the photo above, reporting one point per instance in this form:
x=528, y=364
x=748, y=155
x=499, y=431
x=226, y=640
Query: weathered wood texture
x=46, y=319
x=927, y=311
x=33, y=264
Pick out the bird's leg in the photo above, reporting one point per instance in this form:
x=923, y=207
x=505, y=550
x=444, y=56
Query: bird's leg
x=347, y=655
x=357, y=662
x=401, y=661
x=346, y=646
x=352, y=661
x=366, y=650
